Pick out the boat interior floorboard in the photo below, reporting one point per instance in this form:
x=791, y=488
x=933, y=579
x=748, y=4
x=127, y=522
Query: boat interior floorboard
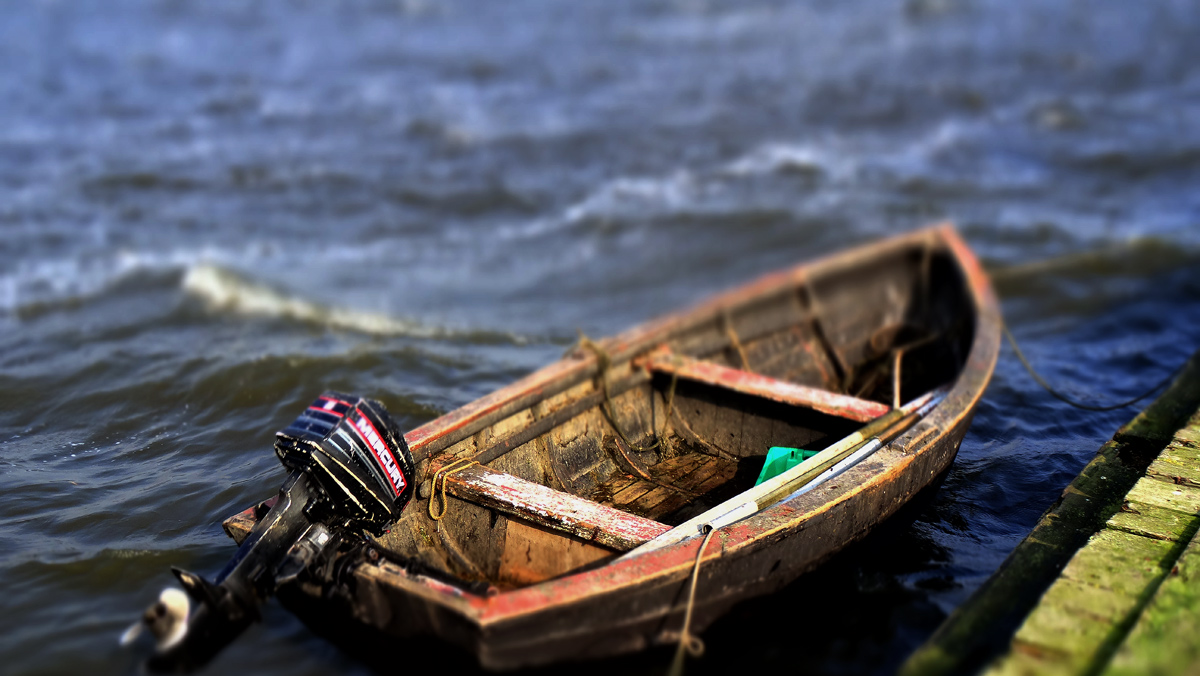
x=685, y=482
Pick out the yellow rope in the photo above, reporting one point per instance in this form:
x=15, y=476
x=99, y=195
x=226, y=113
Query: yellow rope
x=689, y=644
x=456, y=466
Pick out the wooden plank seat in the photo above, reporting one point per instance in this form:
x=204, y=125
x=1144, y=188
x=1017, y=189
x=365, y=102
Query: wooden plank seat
x=663, y=360
x=553, y=509
x=620, y=529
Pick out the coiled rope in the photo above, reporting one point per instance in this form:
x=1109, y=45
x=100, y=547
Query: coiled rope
x=444, y=473
x=1071, y=402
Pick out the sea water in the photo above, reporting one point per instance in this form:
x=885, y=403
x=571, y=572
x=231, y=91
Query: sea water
x=210, y=212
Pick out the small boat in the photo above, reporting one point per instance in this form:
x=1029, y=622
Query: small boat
x=547, y=524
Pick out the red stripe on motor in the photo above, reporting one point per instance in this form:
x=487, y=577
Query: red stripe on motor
x=368, y=444
x=336, y=401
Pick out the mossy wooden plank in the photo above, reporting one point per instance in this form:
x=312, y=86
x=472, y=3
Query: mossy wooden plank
x=1058, y=629
x=1185, y=499
x=983, y=626
x=1105, y=477
x=979, y=629
x=1182, y=451
x=1164, y=639
x=1189, y=434
x=1146, y=520
x=1101, y=604
x=1119, y=561
x=1024, y=661
x=1084, y=615
x=1179, y=463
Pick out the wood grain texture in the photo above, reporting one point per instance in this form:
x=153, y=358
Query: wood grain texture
x=583, y=519
x=609, y=606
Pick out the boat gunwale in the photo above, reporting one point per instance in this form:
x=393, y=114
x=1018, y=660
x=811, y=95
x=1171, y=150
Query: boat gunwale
x=427, y=440
x=673, y=563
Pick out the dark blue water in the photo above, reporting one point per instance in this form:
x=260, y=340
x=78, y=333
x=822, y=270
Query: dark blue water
x=211, y=211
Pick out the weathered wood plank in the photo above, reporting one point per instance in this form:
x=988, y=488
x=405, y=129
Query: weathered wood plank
x=560, y=511
x=672, y=470
x=1163, y=641
x=673, y=502
x=1061, y=632
x=616, y=484
x=647, y=503
x=1190, y=435
x=1119, y=561
x=725, y=472
x=1178, y=463
x=1084, y=614
x=1027, y=661
x=830, y=403
x=1184, y=499
x=532, y=555
x=694, y=480
x=1083, y=598
x=632, y=492
x=680, y=475
x=1147, y=520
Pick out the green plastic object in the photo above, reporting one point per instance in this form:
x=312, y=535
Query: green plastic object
x=780, y=459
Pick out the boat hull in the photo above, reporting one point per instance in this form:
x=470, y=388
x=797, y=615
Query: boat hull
x=628, y=602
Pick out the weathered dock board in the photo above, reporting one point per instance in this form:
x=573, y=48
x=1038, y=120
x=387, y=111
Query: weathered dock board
x=1109, y=579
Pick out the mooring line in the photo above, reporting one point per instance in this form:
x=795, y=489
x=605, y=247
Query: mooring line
x=689, y=644
x=1064, y=398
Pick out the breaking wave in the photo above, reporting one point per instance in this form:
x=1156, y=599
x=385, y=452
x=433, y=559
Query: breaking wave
x=223, y=290
x=34, y=284
x=207, y=274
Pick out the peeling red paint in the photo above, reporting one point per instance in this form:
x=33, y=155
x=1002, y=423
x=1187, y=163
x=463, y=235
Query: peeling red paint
x=831, y=403
x=562, y=511
x=634, y=578
x=674, y=562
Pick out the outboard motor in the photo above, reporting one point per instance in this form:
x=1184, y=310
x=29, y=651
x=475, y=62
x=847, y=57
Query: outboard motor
x=351, y=472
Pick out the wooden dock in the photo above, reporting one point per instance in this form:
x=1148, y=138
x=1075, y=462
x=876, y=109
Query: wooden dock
x=1109, y=579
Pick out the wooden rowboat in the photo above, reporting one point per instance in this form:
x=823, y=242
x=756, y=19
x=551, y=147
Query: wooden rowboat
x=595, y=455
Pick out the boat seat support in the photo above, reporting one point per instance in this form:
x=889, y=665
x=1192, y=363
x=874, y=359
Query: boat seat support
x=664, y=360
x=553, y=509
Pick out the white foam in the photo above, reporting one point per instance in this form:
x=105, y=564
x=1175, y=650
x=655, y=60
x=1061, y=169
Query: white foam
x=224, y=290
x=774, y=158
x=34, y=281
x=93, y=270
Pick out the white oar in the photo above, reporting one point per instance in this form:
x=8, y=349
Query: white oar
x=807, y=475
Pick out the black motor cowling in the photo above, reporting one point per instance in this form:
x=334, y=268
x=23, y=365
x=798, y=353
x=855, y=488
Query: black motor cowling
x=357, y=456
x=351, y=472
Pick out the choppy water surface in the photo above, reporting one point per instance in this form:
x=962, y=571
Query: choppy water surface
x=212, y=211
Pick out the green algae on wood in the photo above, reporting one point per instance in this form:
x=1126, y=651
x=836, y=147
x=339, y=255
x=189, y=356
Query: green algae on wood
x=1180, y=498
x=1149, y=521
x=1164, y=639
x=1178, y=463
x=1085, y=615
x=983, y=626
x=1085, y=612
x=1120, y=562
